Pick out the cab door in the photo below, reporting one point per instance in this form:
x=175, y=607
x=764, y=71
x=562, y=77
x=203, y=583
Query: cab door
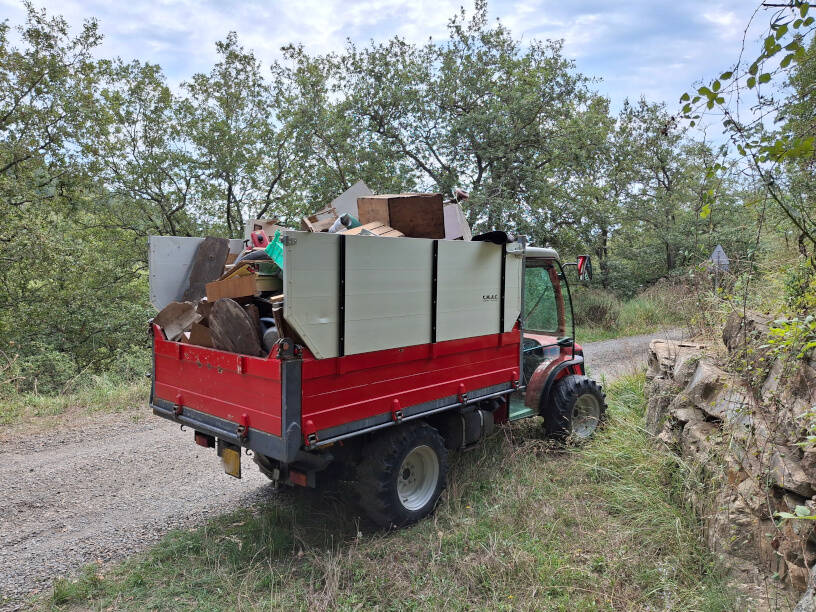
x=544, y=324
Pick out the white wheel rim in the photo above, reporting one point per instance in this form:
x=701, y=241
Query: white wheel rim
x=417, y=478
x=585, y=415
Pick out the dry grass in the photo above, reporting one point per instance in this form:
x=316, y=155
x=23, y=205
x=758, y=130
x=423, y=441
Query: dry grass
x=42, y=412
x=523, y=525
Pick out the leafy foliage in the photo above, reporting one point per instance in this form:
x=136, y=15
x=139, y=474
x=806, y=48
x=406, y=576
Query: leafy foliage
x=98, y=154
x=780, y=158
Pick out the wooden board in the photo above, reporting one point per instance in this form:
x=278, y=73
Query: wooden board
x=233, y=330
x=237, y=286
x=321, y=221
x=200, y=335
x=209, y=262
x=374, y=228
x=175, y=318
x=417, y=215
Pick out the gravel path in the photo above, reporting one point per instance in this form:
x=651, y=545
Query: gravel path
x=110, y=487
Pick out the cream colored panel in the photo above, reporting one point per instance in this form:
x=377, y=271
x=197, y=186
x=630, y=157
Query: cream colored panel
x=311, y=286
x=468, y=289
x=512, y=290
x=388, y=293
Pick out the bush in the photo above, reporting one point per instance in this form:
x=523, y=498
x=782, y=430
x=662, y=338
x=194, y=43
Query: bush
x=596, y=308
x=800, y=287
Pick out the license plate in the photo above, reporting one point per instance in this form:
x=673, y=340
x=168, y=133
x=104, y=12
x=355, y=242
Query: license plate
x=231, y=459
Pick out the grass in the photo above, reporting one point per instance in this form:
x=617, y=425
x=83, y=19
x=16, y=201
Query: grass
x=601, y=316
x=523, y=524
x=101, y=394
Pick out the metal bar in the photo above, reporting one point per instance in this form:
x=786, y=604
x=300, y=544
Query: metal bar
x=501, y=288
x=409, y=418
x=219, y=432
x=522, y=322
x=341, y=298
x=291, y=431
x=434, y=280
x=569, y=299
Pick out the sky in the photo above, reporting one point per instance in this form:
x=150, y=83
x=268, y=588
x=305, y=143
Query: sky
x=656, y=48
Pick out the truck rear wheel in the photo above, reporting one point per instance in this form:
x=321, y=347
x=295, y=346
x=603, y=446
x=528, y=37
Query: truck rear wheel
x=403, y=473
x=577, y=408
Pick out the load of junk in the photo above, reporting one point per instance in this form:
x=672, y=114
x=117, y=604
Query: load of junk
x=233, y=301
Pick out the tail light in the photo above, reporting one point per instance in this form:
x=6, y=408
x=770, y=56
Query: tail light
x=204, y=440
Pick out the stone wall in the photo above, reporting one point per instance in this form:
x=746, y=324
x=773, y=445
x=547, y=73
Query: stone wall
x=745, y=432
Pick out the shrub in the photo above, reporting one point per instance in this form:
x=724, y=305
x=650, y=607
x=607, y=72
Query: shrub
x=596, y=308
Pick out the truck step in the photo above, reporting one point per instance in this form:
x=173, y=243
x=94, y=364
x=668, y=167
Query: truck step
x=518, y=410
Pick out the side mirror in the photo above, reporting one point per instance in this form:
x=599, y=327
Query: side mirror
x=584, y=268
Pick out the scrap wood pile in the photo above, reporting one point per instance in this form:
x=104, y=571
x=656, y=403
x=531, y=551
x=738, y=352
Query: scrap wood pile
x=234, y=302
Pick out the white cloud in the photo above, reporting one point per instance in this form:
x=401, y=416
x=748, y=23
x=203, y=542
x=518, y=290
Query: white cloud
x=636, y=46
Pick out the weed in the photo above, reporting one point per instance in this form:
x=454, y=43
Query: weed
x=523, y=524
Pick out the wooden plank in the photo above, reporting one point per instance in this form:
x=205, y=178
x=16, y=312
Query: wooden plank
x=239, y=286
x=200, y=335
x=209, y=262
x=175, y=318
x=232, y=329
x=321, y=221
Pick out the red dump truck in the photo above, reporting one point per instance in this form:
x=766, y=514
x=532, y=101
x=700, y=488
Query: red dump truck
x=400, y=351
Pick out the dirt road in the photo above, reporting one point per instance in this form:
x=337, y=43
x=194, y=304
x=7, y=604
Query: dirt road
x=111, y=486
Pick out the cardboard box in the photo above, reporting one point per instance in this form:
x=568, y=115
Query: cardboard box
x=416, y=215
x=321, y=221
x=373, y=229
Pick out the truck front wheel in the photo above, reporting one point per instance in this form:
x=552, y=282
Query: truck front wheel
x=402, y=475
x=576, y=409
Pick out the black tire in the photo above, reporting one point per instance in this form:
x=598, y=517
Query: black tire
x=577, y=407
x=384, y=474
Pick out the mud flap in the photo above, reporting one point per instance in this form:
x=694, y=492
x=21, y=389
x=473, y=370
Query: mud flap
x=230, y=458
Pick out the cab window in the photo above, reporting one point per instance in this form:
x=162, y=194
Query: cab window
x=543, y=303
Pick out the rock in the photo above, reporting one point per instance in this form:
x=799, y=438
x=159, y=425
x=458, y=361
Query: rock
x=660, y=392
x=684, y=415
x=731, y=404
x=743, y=435
x=771, y=384
x=704, y=386
x=696, y=438
x=739, y=333
x=797, y=575
x=808, y=601
x=787, y=473
x=808, y=464
x=688, y=355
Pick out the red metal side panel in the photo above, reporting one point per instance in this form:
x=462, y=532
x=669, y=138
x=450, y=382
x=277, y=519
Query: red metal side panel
x=346, y=389
x=222, y=384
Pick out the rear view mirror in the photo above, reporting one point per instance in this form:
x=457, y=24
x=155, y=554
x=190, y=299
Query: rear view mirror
x=584, y=265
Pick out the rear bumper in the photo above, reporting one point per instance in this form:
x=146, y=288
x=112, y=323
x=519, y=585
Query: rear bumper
x=258, y=441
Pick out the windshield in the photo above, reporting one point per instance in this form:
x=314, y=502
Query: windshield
x=543, y=304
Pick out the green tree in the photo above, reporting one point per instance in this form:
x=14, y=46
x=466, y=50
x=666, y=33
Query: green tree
x=141, y=154
x=777, y=158
x=331, y=150
x=481, y=111
x=229, y=115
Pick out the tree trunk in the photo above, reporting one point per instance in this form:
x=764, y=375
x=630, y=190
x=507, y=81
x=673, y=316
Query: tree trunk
x=669, y=258
x=603, y=257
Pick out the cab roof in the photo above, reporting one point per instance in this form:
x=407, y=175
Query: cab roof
x=541, y=253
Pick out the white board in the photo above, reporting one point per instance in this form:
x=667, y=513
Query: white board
x=346, y=202
x=170, y=259
x=388, y=284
